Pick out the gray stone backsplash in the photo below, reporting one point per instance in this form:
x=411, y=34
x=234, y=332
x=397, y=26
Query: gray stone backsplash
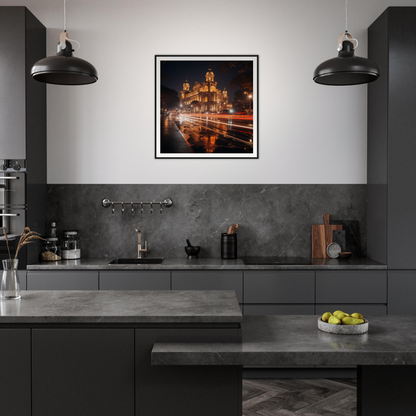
x=275, y=220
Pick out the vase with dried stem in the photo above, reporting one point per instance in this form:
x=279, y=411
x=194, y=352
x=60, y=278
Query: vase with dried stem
x=10, y=285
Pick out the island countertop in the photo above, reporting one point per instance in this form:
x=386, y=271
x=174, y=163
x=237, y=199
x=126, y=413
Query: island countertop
x=113, y=307
x=209, y=264
x=296, y=340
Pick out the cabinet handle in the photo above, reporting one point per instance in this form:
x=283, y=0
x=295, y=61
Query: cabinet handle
x=10, y=178
x=9, y=215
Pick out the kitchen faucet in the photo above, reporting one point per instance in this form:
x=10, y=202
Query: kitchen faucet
x=140, y=250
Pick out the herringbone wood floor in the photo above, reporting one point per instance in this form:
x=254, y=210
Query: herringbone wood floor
x=294, y=397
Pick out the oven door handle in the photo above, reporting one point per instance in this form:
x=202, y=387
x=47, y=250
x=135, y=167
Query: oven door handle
x=10, y=178
x=9, y=215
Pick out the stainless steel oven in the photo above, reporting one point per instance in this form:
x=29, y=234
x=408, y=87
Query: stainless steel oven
x=12, y=189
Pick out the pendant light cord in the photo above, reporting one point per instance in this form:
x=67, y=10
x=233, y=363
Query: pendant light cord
x=64, y=15
x=346, y=16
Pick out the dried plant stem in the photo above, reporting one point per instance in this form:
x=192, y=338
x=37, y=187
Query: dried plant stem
x=7, y=243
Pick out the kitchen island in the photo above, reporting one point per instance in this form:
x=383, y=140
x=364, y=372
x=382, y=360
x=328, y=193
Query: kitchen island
x=89, y=353
x=386, y=355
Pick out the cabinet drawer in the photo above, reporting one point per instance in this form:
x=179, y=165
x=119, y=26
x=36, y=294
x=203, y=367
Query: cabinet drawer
x=402, y=289
x=279, y=287
x=279, y=309
x=351, y=287
x=365, y=309
x=209, y=280
x=62, y=280
x=135, y=280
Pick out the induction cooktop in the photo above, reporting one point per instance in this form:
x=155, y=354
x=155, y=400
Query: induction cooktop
x=254, y=260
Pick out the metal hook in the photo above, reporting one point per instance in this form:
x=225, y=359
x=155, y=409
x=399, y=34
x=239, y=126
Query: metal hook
x=132, y=207
x=112, y=209
x=161, y=204
x=141, y=207
x=122, y=207
x=151, y=207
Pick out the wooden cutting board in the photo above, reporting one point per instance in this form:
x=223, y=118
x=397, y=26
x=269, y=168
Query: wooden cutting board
x=321, y=237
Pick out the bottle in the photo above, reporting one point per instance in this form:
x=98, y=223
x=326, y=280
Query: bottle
x=71, y=249
x=51, y=251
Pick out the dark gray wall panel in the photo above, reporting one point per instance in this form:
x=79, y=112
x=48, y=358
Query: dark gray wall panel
x=279, y=309
x=365, y=309
x=83, y=372
x=198, y=213
x=377, y=142
x=15, y=364
x=209, y=280
x=189, y=390
x=132, y=280
x=62, y=280
x=402, y=293
x=279, y=286
x=351, y=286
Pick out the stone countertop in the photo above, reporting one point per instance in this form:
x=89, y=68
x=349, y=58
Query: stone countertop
x=208, y=264
x=296, y=340
x=113, y=307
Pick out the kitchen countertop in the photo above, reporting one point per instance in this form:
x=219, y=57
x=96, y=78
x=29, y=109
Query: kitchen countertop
x=101, y=307
x=296, y=340
x=208, y=264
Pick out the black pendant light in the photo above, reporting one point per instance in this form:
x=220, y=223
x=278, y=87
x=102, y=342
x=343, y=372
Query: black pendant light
x=64, y=69
x=346, y=68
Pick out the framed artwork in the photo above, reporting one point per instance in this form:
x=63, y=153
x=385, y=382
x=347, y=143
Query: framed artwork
x=206, y=107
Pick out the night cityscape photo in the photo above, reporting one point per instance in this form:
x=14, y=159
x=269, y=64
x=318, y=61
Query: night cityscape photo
x=207, y=108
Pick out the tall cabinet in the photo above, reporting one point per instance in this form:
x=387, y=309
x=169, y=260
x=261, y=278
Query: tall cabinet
x=23, y=118
x=392, y=154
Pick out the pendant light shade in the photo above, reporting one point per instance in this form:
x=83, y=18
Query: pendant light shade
x=64, y=69
x=346, y=69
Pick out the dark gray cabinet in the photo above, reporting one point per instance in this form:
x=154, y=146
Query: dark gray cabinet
x=402, y=290
x=276, y=286
x=209, y=280
x=83, y=372
x=22, y=43
x=279, y=309
x=135, y=280
x=62, y=280
x=22, y=279
x=391, y=140
x=15, y=374
x=351, y=287
x=189, y=390
x=364, y=308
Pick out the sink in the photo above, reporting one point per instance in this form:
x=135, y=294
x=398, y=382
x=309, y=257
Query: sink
x=136, y=261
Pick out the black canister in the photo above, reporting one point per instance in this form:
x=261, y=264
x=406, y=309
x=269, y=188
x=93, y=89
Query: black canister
x=228, y=246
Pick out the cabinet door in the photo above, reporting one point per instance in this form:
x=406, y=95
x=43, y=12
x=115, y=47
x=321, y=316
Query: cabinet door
x=15, y=383
x=22, y=279
x=264, y=309
x=365, y=309
x=62, y=280
x=135, y=280
x=83, y=372
x=276, y=286
x=402, y=289
x=351, y=286
x=194, y=390
x=13, y=83
x=209, y=280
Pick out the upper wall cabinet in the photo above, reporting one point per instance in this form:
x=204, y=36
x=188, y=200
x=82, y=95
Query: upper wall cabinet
x=22, y=100
x=391, y=139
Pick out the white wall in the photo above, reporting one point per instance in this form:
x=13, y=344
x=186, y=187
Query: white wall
x=104, y=133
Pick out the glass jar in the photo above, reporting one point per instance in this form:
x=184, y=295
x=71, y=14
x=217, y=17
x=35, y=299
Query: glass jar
x=51, y=251
x=71, y=248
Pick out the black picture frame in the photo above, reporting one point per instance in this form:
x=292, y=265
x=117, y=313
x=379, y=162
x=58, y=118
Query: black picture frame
x=232, y=136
